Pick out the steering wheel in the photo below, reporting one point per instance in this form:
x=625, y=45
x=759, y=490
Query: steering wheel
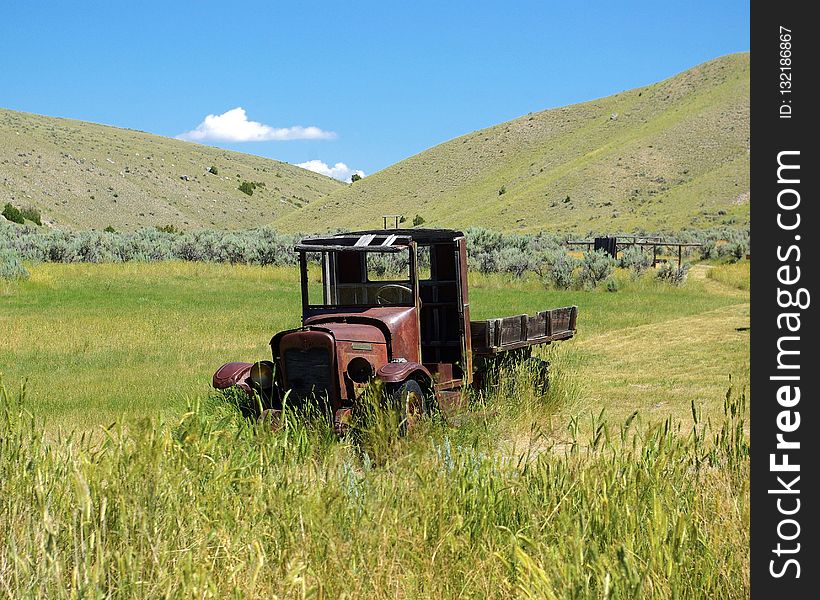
x=380, y=299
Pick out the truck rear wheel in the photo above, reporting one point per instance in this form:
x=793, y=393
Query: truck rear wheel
x=410, y=403
x=541, y=374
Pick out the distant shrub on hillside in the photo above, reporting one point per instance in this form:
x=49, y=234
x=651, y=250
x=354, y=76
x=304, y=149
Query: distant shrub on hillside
x=262, y=246
x=247, y=187
x=718, y=243
x=13, y=214
x=170, y=228
x=213, y=170
x=31, y=214
x=515, y=261
x=418, y=220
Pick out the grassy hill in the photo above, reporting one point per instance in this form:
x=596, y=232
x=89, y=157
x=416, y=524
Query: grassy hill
x=82, y=175
x=665, y=156
x=669, y=155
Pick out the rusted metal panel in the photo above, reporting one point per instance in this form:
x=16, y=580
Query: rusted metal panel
x=396, y=372
x=442, y=372
x=233, y=373
x=400, y=325
x=452, y=402
x=355, y=332
x=346, y=351
x=464, y=316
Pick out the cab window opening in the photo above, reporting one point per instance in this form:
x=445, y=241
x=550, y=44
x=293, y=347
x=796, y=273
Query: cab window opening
x=358, y=278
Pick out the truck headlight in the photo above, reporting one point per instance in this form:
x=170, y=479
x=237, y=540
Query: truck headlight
x=261, y=375
x=359, y=370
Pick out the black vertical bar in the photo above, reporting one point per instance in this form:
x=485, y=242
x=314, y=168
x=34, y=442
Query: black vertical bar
x=784, y=171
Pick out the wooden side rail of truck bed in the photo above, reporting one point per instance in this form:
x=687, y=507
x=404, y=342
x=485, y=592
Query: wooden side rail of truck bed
x=493, y=336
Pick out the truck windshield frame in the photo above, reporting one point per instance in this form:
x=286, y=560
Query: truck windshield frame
x=356, y=278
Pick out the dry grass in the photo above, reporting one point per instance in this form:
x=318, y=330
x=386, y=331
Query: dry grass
x=736, y=275
x=662, y=368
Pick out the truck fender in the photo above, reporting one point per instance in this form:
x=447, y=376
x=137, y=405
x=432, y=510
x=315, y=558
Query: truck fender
x=234, y=373
x=396, y=372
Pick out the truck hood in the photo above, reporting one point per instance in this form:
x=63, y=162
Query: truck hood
x=398, y=326
x=353, y=332
x=341, y=332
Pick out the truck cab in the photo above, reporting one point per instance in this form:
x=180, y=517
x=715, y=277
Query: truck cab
x=393, y=304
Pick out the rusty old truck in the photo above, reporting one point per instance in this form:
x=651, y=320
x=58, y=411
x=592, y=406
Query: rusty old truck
x=389, y=306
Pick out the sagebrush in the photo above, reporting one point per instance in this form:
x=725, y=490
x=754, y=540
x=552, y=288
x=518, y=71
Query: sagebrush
x=488, y=251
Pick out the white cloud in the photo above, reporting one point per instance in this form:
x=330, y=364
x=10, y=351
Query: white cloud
x=338, y=171
x=234, y=126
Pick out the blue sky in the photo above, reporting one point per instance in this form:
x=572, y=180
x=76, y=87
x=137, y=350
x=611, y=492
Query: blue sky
x=379, y=81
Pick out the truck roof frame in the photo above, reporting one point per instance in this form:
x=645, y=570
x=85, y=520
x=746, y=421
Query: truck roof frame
x=377, y=240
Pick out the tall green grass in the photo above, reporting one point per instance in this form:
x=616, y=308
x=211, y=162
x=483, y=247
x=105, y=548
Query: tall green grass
x=213, y=505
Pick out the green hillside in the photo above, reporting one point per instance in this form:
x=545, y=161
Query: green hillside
x=82, y=175
x=664, y=156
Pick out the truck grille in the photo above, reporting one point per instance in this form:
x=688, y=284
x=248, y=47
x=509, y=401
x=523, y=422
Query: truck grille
x=308, y=373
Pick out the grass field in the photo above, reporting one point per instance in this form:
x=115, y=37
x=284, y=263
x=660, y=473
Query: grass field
x=534, y=497
x=100, y=341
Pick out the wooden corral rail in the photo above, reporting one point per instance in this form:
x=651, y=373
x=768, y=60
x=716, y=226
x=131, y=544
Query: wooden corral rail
x=613, y=245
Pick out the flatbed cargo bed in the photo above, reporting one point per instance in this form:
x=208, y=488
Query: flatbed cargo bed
x=494, y=336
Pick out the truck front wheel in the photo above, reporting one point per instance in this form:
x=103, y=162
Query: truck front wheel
x=410, y=403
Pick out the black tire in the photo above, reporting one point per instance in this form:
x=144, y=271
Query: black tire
x=410, y=403
x=541, y=371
